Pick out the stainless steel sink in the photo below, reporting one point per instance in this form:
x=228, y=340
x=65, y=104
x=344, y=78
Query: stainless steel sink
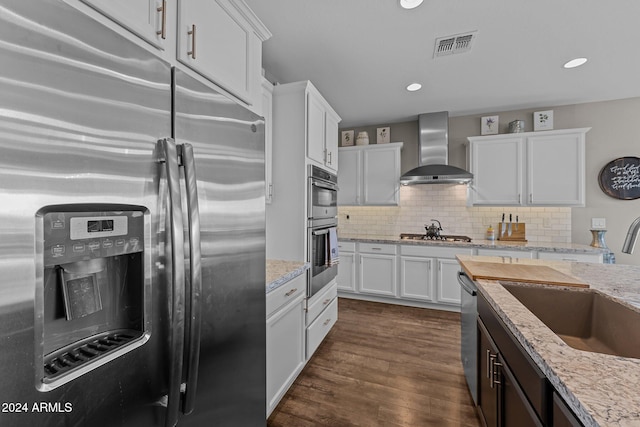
x=584, y=319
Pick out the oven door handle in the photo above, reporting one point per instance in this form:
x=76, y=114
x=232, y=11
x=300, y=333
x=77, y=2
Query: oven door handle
x=326, y=186
x=320, y=233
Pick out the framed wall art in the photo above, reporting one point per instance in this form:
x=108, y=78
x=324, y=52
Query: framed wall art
x=489, y=125
x=543, y=120
x=347, y=138
x=383, y=135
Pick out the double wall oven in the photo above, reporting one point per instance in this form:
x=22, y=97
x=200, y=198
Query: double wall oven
x=321, y=228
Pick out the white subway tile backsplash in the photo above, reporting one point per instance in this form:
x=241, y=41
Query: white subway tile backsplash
x=447, y=203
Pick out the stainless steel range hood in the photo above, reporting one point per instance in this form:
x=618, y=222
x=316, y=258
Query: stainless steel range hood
x=433, y=149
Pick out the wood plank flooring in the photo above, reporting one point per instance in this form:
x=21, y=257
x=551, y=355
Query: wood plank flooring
x=382, y=365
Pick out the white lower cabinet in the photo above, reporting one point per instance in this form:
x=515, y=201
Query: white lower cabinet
x=430, y=274
x=285, y=338
x=505, y=253
x=416, y=278
x=322, y=314
x=347, y=267
x=560, y=256
x=377, y=272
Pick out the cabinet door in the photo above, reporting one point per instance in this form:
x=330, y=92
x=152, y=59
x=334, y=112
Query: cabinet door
x=449, y=291
x=487, y=391
x=214, y=42
x=515, y=408
x=331, y=142
x=505, y=253
x=285, y=349
x=562, y=415
x=497, y=171
x=267, y=112
x=555, y=169
x=416, y=278
x=378, y=274
x=142, y=17
x=381, y=176
x=349, y=178
x=347, y=272
x=315, y=128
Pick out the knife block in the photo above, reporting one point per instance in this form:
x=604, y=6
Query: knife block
x=516, y=235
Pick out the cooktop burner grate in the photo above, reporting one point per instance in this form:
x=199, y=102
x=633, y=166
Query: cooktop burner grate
x=441, y=237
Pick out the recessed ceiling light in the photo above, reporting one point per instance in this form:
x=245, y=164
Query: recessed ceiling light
x=575, y=63
x=414, y=87
x=410, y=4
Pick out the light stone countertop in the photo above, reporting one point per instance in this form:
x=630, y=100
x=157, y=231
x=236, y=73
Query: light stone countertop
x=280, y=272
x=602, y=390
x=486, y=244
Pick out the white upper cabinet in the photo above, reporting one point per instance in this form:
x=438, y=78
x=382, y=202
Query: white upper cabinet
x=322, y=130
x=556, y=169
x=529, y=169
x=496, y=165
x=145, y=18
x=219, y=40
x=369, y=175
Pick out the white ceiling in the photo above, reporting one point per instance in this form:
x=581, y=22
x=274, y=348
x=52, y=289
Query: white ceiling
x=361, y=54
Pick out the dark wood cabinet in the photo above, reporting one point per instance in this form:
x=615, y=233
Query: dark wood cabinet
x=501, y=401
x=562, y=415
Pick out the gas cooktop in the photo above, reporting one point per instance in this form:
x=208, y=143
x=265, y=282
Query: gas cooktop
x=441, y=237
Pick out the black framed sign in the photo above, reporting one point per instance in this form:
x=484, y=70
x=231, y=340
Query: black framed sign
x=620, y=178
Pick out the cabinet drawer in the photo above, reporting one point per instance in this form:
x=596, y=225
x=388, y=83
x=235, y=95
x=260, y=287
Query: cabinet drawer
x=570, y=256
x=320, y=301
x=434, y=252
x=321, y=327
x=347, y=246
x=285, y=293
x=505, y=253
x=378, y=248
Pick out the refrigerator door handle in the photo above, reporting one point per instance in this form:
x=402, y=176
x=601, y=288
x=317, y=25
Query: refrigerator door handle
x=194, y=321
x=169, y=157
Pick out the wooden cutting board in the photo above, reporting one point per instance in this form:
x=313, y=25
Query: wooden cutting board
x=519, y=273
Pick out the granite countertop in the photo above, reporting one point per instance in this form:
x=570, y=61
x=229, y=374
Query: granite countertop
x=601, y=389
x=487, y=244
x=280, y=272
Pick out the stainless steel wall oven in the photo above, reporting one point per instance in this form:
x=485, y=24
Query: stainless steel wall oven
x=322, y=250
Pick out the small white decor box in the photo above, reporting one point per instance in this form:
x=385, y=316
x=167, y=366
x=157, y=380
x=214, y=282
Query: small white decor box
x=543, y=120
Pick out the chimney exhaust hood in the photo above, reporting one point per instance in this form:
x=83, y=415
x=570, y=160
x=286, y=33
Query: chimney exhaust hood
x=433, y=146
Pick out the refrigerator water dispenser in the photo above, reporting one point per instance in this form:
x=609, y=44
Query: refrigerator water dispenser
x=92, y=288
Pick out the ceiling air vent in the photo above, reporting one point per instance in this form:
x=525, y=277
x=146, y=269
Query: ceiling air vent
x=451, y=45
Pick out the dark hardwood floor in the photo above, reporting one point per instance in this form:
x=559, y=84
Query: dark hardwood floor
x=382, y=365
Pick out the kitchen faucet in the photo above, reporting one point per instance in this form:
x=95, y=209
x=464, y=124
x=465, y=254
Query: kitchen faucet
x=632, y=236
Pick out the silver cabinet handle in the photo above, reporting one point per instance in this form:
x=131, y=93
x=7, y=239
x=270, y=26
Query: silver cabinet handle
x=495, y=380
x=326, y=322
x=327, y=301
x=169, y=157
x=291, y=292
x=162, y=32
x=192, y=33
x=488, y=362
x=195, y=282
x=330, y=159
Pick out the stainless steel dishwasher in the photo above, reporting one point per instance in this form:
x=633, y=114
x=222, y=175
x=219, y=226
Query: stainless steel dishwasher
x=469, y=333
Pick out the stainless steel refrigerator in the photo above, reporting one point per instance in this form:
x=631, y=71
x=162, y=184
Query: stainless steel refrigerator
x=132, y=240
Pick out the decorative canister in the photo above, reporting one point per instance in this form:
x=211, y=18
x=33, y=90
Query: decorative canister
x=491, y=233
x=362, y=138
x=516, y=126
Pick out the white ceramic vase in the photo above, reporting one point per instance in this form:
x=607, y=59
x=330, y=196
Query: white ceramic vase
x=362, y=138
